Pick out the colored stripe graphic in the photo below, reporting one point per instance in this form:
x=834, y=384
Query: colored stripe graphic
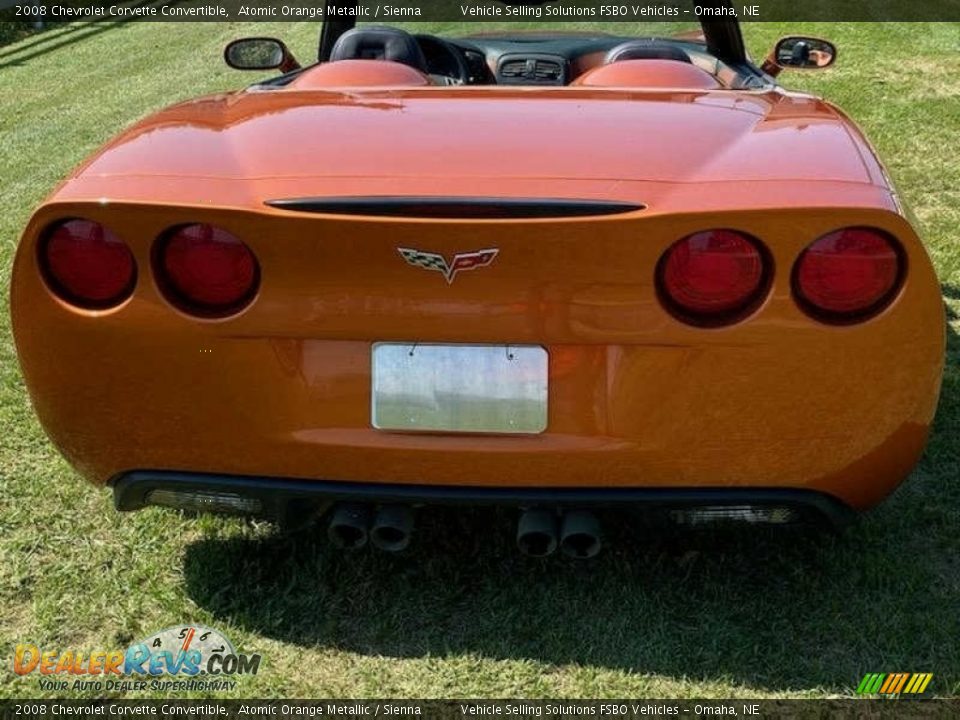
x=891, y=679
x=898, y=685
x=870, y=683
x=894, y=683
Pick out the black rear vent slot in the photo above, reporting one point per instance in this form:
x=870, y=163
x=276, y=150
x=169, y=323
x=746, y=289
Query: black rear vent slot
x=532, y=69
x=513, y=69
x=456, y=207
x=547, y=70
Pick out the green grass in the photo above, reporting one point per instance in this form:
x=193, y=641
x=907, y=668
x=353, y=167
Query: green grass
x=463, y=615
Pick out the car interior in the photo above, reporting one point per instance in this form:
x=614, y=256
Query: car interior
x=517, y=59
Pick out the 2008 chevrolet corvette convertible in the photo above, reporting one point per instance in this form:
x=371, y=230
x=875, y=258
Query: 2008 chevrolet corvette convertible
x=555, y=271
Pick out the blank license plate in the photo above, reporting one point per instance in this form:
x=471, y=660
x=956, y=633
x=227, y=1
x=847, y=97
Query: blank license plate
x=459, y=388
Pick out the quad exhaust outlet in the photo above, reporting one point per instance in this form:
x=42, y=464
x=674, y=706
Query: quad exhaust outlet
x=537, y=532
x=392, y=528
x=580, y=535
x=577, y=533
x=540, y=531
x=353, y=525
x=349, y=526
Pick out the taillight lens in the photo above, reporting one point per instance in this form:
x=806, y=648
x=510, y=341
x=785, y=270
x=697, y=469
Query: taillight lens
x=206, y=270
x=86, y=264
x=848, y=274
x=713, y=276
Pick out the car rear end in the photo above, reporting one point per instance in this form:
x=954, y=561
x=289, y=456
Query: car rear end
x=765, y=364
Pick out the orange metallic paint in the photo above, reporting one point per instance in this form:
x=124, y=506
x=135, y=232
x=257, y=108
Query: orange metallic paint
x=359, y=73
x=637, y=398
x=649, y=74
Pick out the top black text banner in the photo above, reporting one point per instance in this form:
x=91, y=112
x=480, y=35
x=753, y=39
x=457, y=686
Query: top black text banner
x=490, y=11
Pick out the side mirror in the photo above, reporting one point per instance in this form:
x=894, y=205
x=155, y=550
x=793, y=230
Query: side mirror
x=805, y=53
x=259, y=53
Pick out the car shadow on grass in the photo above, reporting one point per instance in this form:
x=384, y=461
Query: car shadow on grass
x=775, y=611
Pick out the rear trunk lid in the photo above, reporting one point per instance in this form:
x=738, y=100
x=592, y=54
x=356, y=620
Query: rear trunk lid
x=478, y=137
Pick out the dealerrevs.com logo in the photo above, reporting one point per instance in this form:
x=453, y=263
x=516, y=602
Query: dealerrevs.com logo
x=189, y=657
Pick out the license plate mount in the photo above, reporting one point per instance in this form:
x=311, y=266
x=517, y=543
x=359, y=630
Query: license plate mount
x=462, y=388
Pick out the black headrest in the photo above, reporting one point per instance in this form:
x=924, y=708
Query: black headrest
x=646, y=50
x=379, y=43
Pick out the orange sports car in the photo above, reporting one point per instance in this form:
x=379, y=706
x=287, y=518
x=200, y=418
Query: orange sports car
x=560, y=271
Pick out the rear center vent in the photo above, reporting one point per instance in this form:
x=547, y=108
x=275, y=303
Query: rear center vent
x=532, y=70
x=455, y=207
x=547, y=70
x=514, y=69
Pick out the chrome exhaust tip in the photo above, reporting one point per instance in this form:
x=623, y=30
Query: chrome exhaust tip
x=580, y=535
x=537, y=533
x=349, y=526
x=392, y=528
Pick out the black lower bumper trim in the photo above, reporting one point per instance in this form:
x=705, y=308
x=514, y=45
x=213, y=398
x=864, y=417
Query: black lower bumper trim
x=276, y=496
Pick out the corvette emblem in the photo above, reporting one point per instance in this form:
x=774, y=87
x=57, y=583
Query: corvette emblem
x=461, y=261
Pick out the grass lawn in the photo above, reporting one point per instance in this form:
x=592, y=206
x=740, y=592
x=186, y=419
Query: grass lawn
x=464, y=615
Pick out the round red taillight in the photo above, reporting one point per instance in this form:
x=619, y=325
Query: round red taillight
x=713, y=276
x=205, y=270
x=848, y=274
x=86, y=264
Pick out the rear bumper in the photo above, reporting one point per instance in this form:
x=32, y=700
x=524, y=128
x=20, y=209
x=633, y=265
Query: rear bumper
x=289, y=500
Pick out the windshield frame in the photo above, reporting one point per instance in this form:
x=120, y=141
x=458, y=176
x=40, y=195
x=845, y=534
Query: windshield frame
x=721, y=30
